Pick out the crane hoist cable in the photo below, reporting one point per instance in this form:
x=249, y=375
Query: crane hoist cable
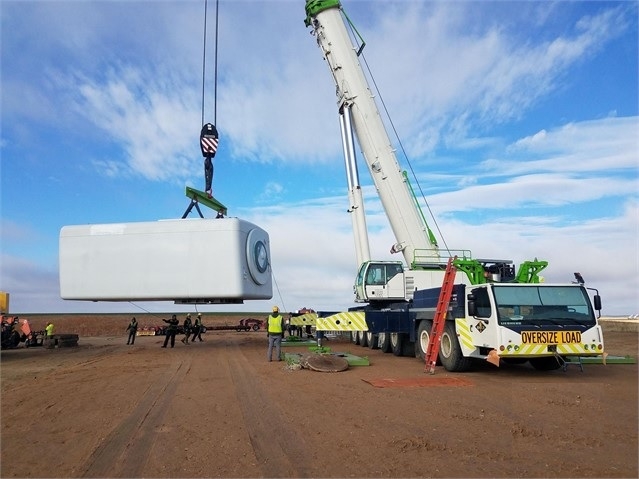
x=209, y=137
x=217, y=3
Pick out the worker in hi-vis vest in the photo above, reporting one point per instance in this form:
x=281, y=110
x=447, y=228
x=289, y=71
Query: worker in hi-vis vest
x=275, y=328
x=49, y=330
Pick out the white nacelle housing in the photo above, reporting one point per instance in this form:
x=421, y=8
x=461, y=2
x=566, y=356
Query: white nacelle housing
x=222, y=260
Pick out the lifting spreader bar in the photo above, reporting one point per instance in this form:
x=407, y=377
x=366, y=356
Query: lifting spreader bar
x=198, y=196
x=440, y=315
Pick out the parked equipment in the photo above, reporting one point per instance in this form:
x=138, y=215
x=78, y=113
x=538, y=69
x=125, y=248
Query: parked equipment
x=16, y=331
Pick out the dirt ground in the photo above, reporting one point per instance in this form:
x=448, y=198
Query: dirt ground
x=217, y=408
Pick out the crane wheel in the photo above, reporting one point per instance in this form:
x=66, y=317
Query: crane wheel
x=423, y=337
x=372, y=340
x=383, y=341
x=450, y=353
x=396, y=340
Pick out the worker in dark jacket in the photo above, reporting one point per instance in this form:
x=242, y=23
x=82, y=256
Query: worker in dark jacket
x=197, y=328
x=275, y=328
x=187, y=329
x=171, y=331
x=132, y=329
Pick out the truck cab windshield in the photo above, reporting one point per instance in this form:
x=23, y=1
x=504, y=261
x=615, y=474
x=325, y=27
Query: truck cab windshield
x=543, y=304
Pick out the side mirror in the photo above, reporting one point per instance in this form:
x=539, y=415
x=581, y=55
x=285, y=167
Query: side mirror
x=597, y=300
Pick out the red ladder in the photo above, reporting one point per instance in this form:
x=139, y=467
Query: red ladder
x=440, y=315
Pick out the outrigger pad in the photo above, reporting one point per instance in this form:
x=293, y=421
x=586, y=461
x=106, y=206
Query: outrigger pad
x=206, y=200
x=325, y=363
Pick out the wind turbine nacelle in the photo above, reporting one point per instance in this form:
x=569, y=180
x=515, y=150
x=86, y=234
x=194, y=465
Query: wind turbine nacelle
x=222, y=260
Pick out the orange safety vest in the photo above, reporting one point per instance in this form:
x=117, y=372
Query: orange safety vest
x=275, y=324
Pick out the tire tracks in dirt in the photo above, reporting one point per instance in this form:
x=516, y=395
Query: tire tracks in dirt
x=279, y=448
x=123, y=453
x=57, y=363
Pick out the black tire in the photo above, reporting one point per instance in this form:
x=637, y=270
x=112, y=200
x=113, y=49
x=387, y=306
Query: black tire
x=547, y=363
x=14, y=340
x=354, y=337
x=372, y=340
x=423, y=336
x=256, y=327
x=363, y=338
x=383, y=341
x=450, y=353
x=408, y=347
x=396, y=340
x=514, y=360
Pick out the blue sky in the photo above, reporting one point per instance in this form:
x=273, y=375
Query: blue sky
x=519, y=119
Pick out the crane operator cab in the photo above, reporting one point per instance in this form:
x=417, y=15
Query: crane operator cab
x=380, y=280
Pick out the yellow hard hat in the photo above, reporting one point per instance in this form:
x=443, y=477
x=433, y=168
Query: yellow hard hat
x=275, y=309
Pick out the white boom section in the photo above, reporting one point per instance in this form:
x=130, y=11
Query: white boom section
x=355, y=198
x=223, y=260
x=354, y=93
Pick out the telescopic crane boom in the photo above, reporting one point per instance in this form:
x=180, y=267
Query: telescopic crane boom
x=355, y=98
x=378, y=281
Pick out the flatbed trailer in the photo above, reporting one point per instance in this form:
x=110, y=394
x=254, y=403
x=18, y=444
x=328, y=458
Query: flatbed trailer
x=245, y=325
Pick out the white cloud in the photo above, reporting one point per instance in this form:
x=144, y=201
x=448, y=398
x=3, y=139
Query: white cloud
x=275, y=98
x=148, y=117
x=462, y=76
x=605, y=144
x=575, y=163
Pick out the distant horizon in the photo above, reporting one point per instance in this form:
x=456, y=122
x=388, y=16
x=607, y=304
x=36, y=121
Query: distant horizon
x=230, y=313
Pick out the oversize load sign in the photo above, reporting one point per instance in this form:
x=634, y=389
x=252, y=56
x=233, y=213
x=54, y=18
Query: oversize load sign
x=550, y=337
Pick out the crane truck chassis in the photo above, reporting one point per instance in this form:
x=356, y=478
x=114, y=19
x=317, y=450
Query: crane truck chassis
x=494, y=313
x=499, y=318
x=514, y=322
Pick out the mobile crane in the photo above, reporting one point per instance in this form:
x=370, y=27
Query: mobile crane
x=494, y=312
